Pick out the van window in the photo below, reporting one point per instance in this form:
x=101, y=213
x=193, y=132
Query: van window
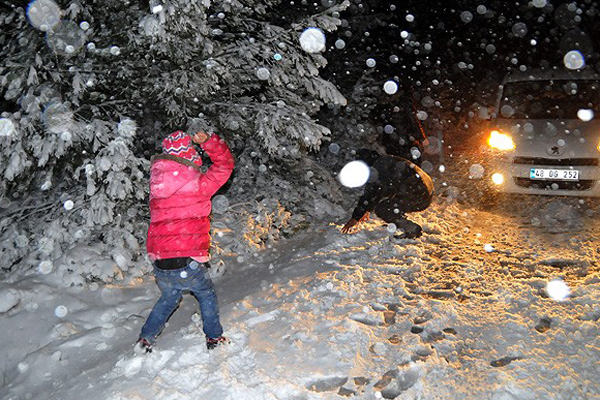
x=552, y=99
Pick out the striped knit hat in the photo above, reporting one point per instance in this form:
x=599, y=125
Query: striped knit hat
x=180, y=144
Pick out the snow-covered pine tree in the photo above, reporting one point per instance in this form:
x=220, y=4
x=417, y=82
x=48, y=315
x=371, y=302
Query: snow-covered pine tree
x=89, y=88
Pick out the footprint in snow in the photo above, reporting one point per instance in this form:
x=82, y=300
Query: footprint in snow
x=327, y=384
x=543, y=325
x=394, y=382
x=504, y=361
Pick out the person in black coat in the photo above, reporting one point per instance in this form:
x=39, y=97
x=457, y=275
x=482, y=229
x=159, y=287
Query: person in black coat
x=401, y=132
x=396, y=187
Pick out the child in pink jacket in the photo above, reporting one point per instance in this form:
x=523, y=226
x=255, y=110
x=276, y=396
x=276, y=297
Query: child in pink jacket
x=179, y=231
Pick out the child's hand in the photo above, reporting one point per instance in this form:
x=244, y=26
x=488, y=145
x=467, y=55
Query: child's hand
x=200, y=137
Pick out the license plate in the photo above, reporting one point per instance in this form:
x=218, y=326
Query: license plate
x=554, y=174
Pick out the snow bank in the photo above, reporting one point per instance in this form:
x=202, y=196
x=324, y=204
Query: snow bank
x=326, y=315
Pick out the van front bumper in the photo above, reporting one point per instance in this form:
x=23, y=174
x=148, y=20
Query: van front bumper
x=516, y=172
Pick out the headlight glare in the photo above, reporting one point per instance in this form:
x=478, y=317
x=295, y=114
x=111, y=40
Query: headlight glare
x=498, y=178
x=500, y=141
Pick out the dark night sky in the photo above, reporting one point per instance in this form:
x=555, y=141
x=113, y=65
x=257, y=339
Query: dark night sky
x=469, y=40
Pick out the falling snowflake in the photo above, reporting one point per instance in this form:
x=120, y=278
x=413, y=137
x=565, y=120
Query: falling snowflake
x=43, y=14
x=574, y=60
x=585, y=115
x=45, y=267
x=558, y=290
x=57, y=117
x=466, y=16
x=334, y=148
x=312, y=40
x=519, y=29
x=354, y=174
x=220, y=204
x=390, y=87
x=61, y=311
x=476, y=171
x=263, y=74
x=66, y=38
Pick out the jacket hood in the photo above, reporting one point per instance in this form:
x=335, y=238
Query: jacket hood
x=170, y=174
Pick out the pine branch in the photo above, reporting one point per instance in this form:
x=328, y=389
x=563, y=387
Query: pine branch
x=102, y=105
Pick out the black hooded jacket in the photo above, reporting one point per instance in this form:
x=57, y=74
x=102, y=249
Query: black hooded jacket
x=396, y=186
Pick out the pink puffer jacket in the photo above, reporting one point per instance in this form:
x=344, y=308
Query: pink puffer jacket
x=180, y=201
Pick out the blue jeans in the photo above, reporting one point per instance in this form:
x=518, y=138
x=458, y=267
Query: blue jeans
x=194, y=278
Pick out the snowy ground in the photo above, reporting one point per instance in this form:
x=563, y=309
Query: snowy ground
x=462, y=312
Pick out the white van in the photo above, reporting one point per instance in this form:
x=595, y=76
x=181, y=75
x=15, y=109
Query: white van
x=545, y=134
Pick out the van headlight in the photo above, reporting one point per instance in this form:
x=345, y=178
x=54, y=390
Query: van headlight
x=498, y=179
x=500, y=141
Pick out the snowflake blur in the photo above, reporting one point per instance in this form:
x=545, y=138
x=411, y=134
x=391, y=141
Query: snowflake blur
x=45, y=267
x=558, y=290
x=57, y=117
x=66, y=38
x=585, y=114
x=354, y=174
x=312, y=40
x=220, y=204
x=334, y=148
x=574, y=60
x=476, y=171
x=390, y=87
x=43, y=14
x=61, y=311
x=263, y=74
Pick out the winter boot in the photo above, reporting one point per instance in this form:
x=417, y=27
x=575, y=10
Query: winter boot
x=211, y=343
x=143, y=346
x=411, y=230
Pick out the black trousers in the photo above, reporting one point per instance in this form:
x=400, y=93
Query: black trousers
x=394, y=209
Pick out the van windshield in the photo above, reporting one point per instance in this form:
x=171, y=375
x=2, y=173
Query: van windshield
x=551, y=99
